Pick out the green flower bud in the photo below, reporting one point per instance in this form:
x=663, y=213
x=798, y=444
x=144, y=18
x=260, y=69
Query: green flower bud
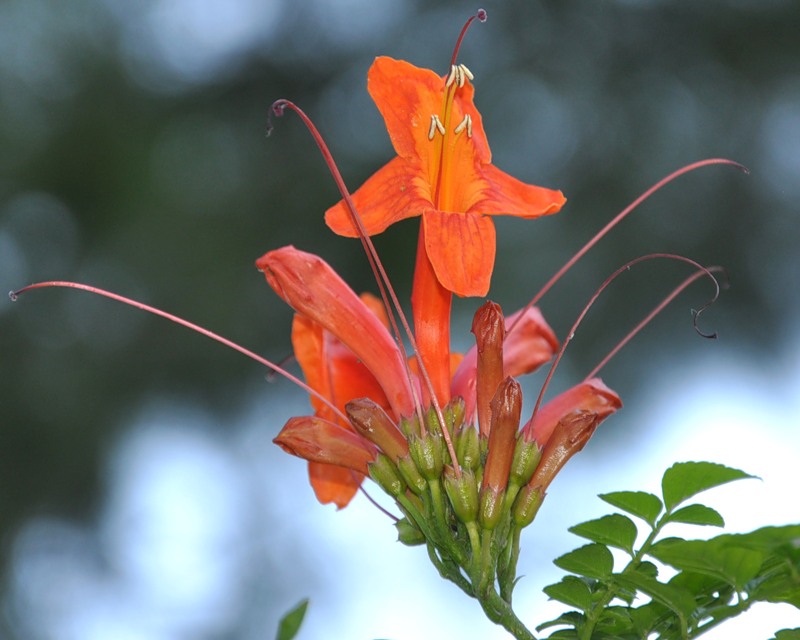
x=527, y=505
x=468, y=448
x=408, y=469
x=526, y=459
x=463, y=494
x=408, y=534
x=382, y=471
x=454, y=414
x=491, y=508
x=428, y=454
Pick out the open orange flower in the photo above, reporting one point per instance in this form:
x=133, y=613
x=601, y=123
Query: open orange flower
x=443, y=173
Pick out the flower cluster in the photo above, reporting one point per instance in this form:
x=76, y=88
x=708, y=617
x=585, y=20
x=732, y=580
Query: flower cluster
x=440, y=432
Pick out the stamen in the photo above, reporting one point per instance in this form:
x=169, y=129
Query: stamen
x=466, y=123
x=382, y=279
x=618, y=218
x=646, y=320
x=14, y=295
x=703, y=271
x=463, y=75
x=481, y=15
x=451, y=77
x=436, y=125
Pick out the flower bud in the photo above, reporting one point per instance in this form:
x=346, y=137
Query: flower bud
x=408, y=534
x=505, y=410
x=408, y=469
x=526, y=459
x=489, y=331
x=463, y=493
x=371, y=421
x=468, y=448
x=319, y=440
x=428, y=454
x=382, y=471
x=491, y=507
x=527, y=505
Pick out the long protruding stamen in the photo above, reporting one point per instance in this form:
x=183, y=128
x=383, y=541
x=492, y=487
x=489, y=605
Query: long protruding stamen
x=480, y=15
x=669, y=256
x=620, y=216
x=387, y=292
x=656, y=310
x=390, y=301
x=189, y=325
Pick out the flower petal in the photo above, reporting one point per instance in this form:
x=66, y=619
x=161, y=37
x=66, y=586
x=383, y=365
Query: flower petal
x=591, y=399
x=331, y=368
x=333, y=484
x=407, y=97
x=312, y=288
x=503, y=194
x=461, y=248
x=395, y=192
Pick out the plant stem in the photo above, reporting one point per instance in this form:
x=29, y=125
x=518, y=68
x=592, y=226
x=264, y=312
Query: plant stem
x=500, y=612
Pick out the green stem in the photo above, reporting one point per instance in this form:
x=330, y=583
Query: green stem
x=500, y=612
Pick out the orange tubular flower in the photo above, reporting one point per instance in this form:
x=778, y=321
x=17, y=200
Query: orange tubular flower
x=443, y=173
x=345, y=351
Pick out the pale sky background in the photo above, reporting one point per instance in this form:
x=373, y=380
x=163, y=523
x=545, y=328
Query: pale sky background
x=204, y=533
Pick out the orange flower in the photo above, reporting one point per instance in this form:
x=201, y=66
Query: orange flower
x=346, y=352
x=443, y=172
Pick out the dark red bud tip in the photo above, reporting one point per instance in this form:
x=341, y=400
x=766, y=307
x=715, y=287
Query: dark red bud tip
x=482, y=15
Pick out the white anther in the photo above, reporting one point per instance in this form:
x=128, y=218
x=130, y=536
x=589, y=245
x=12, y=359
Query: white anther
x=436, y=125
x=452, y=76
x=466, y=123
x=463, y=75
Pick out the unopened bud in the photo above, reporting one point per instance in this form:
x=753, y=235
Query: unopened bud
x=408, y=534
x=428, y=454
x=408, y=469
x=505, y=409
x=463, y=494
x=527, y=505
x=371, y=421
x=526, y=459
x=382, y=471
x=468, y=448
x=489, y=329
x=491, y=507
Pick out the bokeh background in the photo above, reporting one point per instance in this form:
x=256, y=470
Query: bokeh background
x=140, y=494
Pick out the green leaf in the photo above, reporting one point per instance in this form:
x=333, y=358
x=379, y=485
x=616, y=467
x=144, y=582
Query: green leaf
x=572, y=618
x=697, y=514
x=734, y=564
x=615, y=530
x=638, y=503
x=592, y=561
x=788, y=634
x=290, y=623
x=571, y=591
x=685, y=479
x=678, y=600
